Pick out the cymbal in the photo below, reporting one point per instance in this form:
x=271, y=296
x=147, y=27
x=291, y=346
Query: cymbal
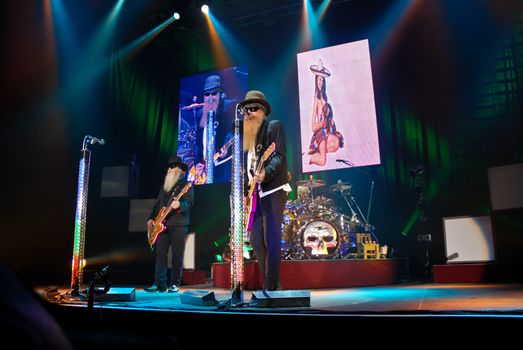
x=311, y=183
x=194, y=105
x=341, y=186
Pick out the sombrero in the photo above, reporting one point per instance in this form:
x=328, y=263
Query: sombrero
x=320, y=70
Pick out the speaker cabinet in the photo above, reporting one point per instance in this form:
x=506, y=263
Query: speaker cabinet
x=198, y=297
x=120, y=181
x=468, y=239
x=281, y=298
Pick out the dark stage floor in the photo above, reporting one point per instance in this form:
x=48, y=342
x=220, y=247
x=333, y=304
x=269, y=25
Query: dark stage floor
x=465, y=298
x=336, y=317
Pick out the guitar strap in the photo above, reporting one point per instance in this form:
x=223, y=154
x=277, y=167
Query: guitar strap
x=174, y=192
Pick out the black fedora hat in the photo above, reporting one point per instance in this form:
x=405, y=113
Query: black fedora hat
x=255, y=96
x=212, y=83
x=175, y=161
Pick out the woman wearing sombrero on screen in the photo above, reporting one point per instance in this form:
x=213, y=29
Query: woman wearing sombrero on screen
x=325, y=138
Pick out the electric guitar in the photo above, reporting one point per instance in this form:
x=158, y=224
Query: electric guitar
x=200, y=178
x=223, y=149
x=158, y=225
x=251, y=204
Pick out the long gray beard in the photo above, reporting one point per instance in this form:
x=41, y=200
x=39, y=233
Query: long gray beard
x=170, y=180
x=250, y=129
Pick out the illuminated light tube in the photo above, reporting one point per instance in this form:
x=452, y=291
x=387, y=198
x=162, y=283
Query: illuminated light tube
x=237, y=214
x=80, y=223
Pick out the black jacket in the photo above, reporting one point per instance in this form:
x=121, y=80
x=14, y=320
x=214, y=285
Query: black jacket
x=181, y=216
x=276, y=165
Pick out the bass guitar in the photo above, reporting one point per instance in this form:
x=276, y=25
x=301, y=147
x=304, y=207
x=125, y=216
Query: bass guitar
x=158, y=225
x=251, y=204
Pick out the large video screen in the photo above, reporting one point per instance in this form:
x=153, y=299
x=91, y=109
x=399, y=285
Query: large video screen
x=206, y=115
x=337, y=109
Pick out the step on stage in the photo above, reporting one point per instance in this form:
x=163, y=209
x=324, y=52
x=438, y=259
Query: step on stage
x=316, y=274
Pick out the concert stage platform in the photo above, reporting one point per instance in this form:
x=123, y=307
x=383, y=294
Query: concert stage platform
x=338, y=316
x=316, y=274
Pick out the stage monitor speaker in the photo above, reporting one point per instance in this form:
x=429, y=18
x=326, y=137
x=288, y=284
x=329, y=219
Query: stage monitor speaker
x=506, y=187
x=198, y=297
x=120, y=181
x=468, y=239
x=282, y=298
x=117, y=294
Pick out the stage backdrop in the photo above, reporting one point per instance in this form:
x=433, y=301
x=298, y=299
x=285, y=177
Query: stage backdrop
x=341, y=109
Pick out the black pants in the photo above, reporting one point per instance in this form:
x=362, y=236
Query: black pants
x=266, y=237
x=173, y=237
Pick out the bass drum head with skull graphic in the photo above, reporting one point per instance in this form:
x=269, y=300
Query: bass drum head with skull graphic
x=319, y=239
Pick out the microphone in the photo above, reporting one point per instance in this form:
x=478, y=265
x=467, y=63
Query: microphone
x=453, y=256
x=346, y=162
x=94, y=140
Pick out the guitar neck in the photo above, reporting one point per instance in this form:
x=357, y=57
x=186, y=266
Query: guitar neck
x=176, y=198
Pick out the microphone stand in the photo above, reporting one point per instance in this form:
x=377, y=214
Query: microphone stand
x=352, y=202
x=194, y=99
x=366, y=220
x=309, y=185
x=81, y=217
x=237, y=213
x=370, y=199
x=352, y=165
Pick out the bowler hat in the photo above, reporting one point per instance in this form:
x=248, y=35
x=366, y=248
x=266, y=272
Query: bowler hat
x=175, y=161
x=255, y=96
x=212, y=83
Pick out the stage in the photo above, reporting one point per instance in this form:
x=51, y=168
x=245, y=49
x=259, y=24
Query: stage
x=340, y=314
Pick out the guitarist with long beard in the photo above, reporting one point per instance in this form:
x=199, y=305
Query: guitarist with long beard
x=177, y=223
x=271, y=183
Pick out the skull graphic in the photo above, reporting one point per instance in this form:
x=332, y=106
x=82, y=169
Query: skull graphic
x=319, y=236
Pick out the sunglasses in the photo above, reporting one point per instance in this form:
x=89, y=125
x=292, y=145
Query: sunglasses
x=210, y=93
x=249, y=110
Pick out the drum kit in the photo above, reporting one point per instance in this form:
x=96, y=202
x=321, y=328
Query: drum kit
x=315, y=227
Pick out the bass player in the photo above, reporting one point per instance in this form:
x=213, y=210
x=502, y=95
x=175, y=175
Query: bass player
x=176, y=223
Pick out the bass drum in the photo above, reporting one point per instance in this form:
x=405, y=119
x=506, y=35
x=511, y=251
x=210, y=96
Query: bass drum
x=319, y=239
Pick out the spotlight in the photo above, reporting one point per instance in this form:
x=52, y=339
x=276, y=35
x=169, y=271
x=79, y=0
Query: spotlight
x=205, y=9
x=176, y=16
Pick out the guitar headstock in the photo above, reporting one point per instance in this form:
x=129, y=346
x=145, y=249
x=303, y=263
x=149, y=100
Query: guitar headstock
x=270, y=150
x=184, y=190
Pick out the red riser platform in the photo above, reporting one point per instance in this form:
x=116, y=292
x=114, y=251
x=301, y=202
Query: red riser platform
x=316, y=274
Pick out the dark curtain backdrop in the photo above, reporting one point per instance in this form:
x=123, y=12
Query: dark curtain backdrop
x=447, y=77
